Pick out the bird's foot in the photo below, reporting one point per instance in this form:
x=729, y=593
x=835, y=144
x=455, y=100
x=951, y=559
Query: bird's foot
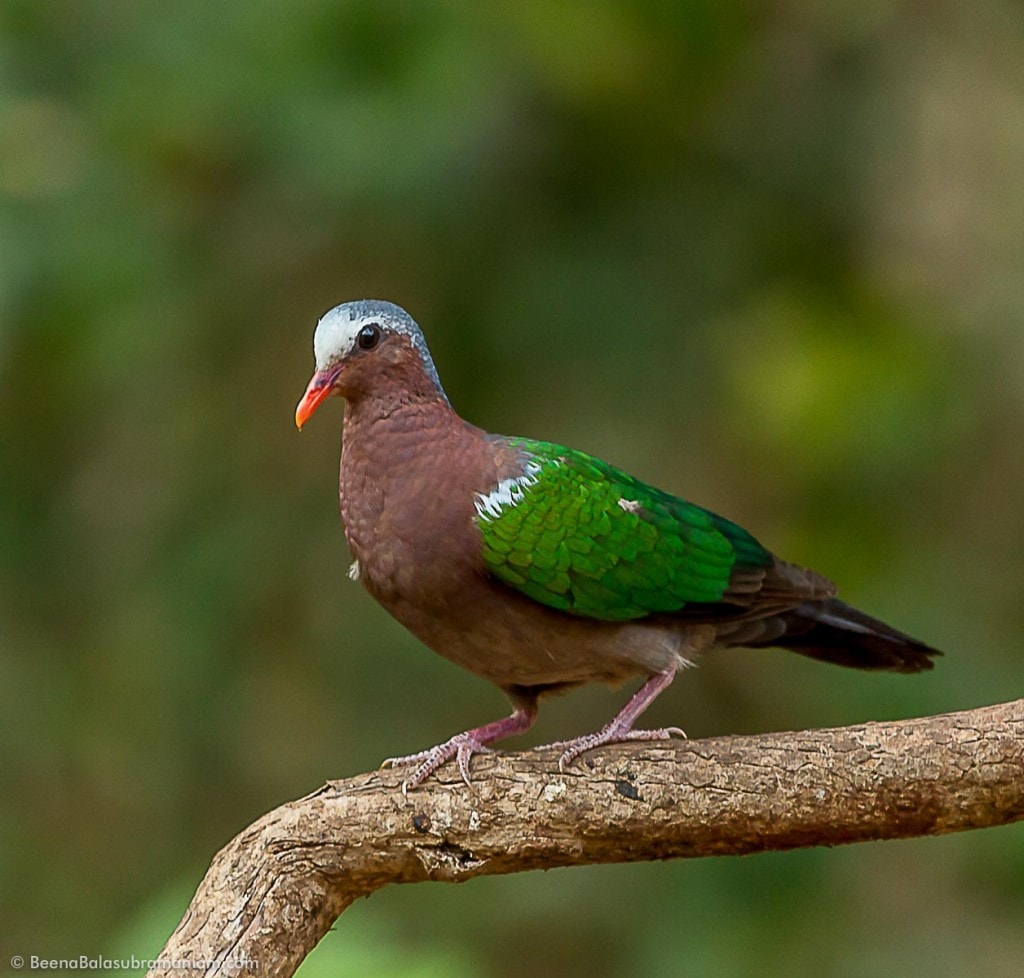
x=621, y=728
x=462, y=747
x=612, y=734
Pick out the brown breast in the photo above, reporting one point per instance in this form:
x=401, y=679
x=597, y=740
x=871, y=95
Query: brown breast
x=407, y=483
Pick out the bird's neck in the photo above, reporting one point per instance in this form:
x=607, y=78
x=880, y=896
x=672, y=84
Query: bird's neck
x=390, y=413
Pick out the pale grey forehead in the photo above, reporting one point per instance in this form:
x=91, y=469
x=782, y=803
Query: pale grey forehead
x=338, y=328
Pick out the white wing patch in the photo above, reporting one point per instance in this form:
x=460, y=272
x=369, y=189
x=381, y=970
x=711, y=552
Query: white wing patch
x=630, y=505
x=354, y=571
x=508, y=492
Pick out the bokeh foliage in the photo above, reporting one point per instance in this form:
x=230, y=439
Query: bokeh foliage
x=764, y=255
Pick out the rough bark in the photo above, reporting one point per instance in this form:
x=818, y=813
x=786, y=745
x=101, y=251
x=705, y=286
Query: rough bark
x=277, y=888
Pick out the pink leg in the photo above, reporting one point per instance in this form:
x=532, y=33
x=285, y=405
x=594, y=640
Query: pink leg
x=621, y=728
x=464, y=745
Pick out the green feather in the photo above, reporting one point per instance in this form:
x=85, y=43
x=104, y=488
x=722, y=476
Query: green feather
x=581, y=536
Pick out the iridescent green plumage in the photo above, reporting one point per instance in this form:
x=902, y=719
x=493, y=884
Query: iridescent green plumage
x=579, y=535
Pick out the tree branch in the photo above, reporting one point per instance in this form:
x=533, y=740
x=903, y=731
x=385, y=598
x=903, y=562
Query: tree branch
x=277, y=888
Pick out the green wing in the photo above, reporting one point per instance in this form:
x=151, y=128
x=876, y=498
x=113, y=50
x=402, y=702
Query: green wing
x=577, y=534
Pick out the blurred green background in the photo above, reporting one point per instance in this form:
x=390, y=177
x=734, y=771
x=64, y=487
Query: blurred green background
x=768, y=256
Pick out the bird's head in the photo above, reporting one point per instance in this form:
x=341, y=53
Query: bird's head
x=364, y=348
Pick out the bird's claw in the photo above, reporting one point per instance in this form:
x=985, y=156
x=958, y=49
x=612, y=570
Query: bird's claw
x=462, y=747
x=572, y=749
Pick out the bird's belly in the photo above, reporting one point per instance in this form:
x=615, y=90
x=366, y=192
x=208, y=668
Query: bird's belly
x=506, y=638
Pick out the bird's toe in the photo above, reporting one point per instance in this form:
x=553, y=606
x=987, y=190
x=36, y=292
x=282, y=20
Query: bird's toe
x=390, y=762
x=572, y=749
x=462, y=747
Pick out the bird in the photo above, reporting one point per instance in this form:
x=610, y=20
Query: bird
x=539, y=567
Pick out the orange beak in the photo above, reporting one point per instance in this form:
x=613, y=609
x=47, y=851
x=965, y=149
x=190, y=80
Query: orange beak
x=318, y=389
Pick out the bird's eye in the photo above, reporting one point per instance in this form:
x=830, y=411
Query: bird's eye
x=369, y=337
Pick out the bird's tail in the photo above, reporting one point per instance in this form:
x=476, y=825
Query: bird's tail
x=833, y=631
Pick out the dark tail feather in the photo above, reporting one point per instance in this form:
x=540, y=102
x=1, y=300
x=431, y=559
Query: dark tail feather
x=833, y=631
